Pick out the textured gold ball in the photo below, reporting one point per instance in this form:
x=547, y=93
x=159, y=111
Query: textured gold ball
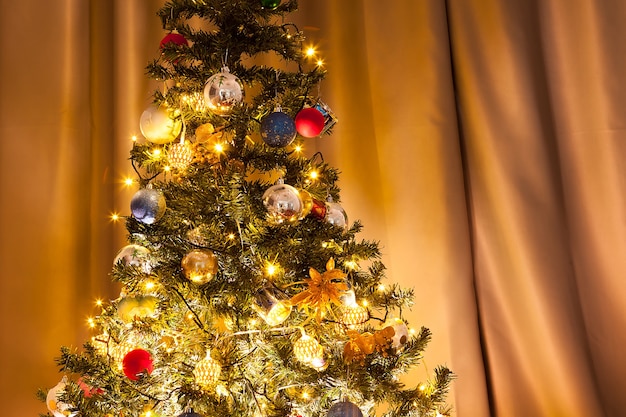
x=199, y=266
x=354, y=314
x=180, y=155
x=308, y=350
x=207, y=372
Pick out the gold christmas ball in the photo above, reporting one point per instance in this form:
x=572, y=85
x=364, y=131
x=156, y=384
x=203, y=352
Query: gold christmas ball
x=354, y=315
x=130, y=308
x=199, y=266
x=307, y=203
x=160, y=124
x=180, y=155
x=207, y=372
x=308, y=351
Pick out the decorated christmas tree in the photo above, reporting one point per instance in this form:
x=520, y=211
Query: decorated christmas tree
x=244, y=288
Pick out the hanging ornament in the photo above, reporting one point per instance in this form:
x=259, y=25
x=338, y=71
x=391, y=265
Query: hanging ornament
x=401, y=332
x=56, y=407
x=199, y=266
x=354, y=315
x=283, y=203
x=207, y=371
x=307, y=203
x=148, y=205
x=135, y=256
x=362, y=344
x=137, y=363
x=272, y=305
x=130, y=308
x=329, y=117
x=318, y=209
x=336, y=215
x=223, y=92
x=323, y=290
x=344, y=409
x=175, y=38
x=270, y=4
x=308, y=351
x=278, y=129
x=189, y=413
x=309, y=122
x=160, y=124
x=180, y=155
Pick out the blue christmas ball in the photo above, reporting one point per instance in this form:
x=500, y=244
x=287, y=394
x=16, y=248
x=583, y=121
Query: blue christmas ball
x=278, y=129
x=148, y=205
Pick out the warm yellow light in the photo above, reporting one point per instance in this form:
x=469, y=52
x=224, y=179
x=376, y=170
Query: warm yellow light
x=253, y=322
x=310, y=51
x=422, y=387
x=115, y=217
x=218, y=148
x=134, y=138
x=99, y=302
x=364, y=303
x=352, y=265
x=149, y=285
x=319, y=63
x=412, y=330
x=167, y=168
x=271, y=269
x=189, y=316
x=231, y=236
x=128, y=181
x=298, y=148
x=305, y=395
x=91, y=322
x=381, y=287
x=156, y=153
x=313, y=175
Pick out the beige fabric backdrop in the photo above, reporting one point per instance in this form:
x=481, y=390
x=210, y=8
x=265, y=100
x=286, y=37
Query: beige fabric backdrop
x=481, y=141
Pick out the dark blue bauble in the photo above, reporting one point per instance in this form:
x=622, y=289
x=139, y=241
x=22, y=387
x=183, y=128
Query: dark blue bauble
x=147, y=205
x=344, y=409
x=278, y=129
x=189, y=413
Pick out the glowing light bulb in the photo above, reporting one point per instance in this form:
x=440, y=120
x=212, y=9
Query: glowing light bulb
x=115, y=217
x=313, y=175
x=156, y=153
x=310, y=51
x=134, y=138
x=271, y=269
x=99, y=302
x=128, y=181
x=298, y=148
x=167, y=168
x=91, y=322
x=305, y=395
x=218, y=148
x=319, y=63
x=364, y=303
x=149, y=285
x=381, y=287
x=231, y=236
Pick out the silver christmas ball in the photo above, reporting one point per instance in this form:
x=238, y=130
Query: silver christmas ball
x=283, y=203
x=344, y=409
x=148, y=205
x=222, y=92
x=134, y=255
x=336, y=215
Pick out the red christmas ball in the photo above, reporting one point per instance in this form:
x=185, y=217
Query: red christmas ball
x=136, y=362
x=175, y=38
x=319, y=209
x=309, y=122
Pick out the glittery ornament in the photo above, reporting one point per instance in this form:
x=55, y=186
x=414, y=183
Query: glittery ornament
x=160, y=124
x=308, y=350
x=344, y=409
x=56, y=407
x=136, y=363
x=199, y=266
x=283, y=203
x=207, y=371
x=148, y=205
x=278, y=129
x=272, y=305
x=336, y=215
x=180, y=155
x=135, y=256
x=309, y=122
x=270, y=4
x=223, y=92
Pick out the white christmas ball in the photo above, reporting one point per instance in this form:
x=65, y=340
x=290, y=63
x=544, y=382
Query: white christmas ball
x=56, y=407
x=401, y=335
x=160, y=124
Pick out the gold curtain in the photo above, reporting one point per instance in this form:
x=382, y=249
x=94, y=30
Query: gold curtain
x=480, y=141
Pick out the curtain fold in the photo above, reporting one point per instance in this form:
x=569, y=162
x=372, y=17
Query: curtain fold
x=480, y=141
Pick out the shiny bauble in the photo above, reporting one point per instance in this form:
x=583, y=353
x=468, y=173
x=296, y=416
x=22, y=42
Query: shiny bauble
x=56, y=407
x=137, y=307
x=336, y=215
x=223, y=92
x=174, y=38
x=135, y=256
x=401, y=332
x=136, y=363
x=344, y=409
x=270, y=4
x=283, y=203
x=180, y=155
x=199, y=266
x=308, y=351
x=148, y=205
x=309, y=122
x=307, y=203
x=318, y=209
x=272, y=305
x=278, y=129
x=160, y=124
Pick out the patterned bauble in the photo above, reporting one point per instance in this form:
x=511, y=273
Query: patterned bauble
x=223, y=92
x=160, y=124
x=308, y=350
x=137, y=363
x=270, y=4
x=199, y=266
x=207, y=372
x=309, y=122
x=135, y=256
x=354, y=315
x=336, y=215
x=189, y=413
x=401, y=332
x=283, y=203
x=148, y=205
x=278, y=129
x=344, y=409
x=56, y=407
x=180, y=155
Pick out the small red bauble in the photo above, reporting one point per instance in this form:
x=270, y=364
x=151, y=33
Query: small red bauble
x=309, y=122
x=136, y=362
x=175, y=38
x=318, y=210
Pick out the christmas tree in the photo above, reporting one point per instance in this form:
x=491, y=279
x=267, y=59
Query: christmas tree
x=245, y=291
